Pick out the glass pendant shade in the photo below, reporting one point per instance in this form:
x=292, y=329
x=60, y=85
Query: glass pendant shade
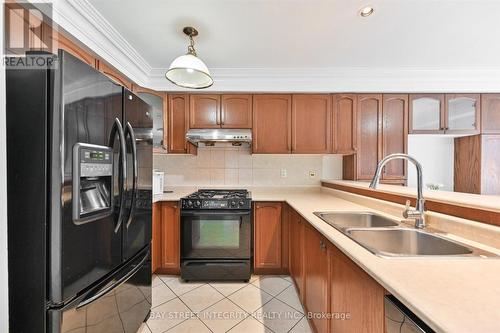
x=190, y=72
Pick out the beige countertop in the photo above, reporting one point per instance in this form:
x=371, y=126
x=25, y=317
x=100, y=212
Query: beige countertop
x=488, y=202
x=449, y=294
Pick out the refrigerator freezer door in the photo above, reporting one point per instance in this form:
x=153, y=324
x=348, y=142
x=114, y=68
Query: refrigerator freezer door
x=138, y=124
x=86, y=107
x=117, y=305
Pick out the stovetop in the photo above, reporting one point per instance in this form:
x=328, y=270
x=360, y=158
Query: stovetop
x=218, y=199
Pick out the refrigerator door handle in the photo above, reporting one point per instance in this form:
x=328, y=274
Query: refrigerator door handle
x=118, y=129
x=109, y=288
x=129, y=130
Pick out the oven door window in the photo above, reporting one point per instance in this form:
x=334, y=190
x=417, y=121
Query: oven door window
x=215, y=236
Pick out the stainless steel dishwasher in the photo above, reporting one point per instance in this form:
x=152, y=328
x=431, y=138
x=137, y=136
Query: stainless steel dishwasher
x=399, y=319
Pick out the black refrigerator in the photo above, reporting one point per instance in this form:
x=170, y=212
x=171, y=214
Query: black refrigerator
x=79, y=159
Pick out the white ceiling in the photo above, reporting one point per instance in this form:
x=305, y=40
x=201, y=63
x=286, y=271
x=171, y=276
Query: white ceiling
x=301, y=38
x=312, y=33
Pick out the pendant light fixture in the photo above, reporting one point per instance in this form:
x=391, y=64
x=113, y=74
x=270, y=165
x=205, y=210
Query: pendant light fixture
x=188, y=70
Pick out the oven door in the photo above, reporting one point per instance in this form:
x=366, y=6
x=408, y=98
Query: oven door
x=215, y=234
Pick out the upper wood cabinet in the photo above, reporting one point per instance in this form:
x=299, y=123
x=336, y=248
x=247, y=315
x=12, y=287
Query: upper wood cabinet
x=490, y=113
x=462, y=113
x=178, y=123
x=113, y=74
x=296, y=250
x=67, y=45
x=445, y=113
x=369, y=127
x=272, y=117
x=236, y=111
x=344, y=124
x=311, y=124
x=204, y=111
x=394, y=134
x=267, y=237
x=317, y=273
x=354, y=292
x=427, y=113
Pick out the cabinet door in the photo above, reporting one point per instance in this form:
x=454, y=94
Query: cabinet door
x=204, y=111
x=267, y=236
x=394, y=134
x=490, y=113
x=462, y=113
x=427, y=114
x=113, y=74
x=369, y=134
x=311, y=124
x=317, y=281
x=178, y=118
x=170, y=237
x=272, y=117
x=355, y=293
x=236, y=111
x=344, y=124
x=296, y=250
x=156, y=237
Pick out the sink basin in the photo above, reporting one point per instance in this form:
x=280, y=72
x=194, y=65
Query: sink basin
x=406, y=242
x=345, y=220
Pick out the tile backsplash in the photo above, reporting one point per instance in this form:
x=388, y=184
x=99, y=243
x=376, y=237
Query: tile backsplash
x=238, y=167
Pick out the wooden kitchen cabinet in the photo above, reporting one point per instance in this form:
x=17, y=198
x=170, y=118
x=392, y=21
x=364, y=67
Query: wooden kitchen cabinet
x=296, y=250
x=369, y=139
x=113, y=74
x=427, y=113
x=178, y=123
x=394, y=134
x=344, y=123
x=236, y=111
x=156, y=237
x=268, y=238
x=61, y=42
x=204, y=111
x=355, y=294
x=490, y=113
x=311, y=124
x=170, y=237
x=462, y=113
x=317, y=278
x=272, y=117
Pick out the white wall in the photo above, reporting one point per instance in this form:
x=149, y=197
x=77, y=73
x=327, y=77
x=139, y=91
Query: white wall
x=436, y=154
x=238, y=167
x=4, y=310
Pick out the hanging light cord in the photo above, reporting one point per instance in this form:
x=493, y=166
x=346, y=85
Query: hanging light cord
x=191, y=49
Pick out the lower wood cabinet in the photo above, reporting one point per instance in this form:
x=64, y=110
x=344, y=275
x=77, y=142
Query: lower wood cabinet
x=356, y=300
x=268, y=238
x=296, y=258
x=316, y=272
x=166, y=237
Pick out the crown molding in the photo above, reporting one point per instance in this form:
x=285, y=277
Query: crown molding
x=85, y=23
x=343, y=79
x=80, y=19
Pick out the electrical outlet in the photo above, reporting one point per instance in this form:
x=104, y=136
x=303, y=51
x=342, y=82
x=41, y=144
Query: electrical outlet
x=312, y=174
x=283, y=173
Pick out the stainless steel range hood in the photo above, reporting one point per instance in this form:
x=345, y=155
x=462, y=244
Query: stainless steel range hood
x=220, y=137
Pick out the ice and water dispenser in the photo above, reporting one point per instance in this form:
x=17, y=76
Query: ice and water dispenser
x=92, y=182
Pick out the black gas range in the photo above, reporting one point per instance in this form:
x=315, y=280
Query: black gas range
x=216, y=234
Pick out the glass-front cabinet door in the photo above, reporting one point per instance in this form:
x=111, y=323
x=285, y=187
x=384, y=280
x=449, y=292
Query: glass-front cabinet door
x=426, y=113
x=462, y=113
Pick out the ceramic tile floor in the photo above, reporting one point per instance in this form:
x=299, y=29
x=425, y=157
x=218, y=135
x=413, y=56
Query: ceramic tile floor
x=265, y=304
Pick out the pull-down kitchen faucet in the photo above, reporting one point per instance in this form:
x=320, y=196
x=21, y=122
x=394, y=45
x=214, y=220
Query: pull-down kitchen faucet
x=416, y=214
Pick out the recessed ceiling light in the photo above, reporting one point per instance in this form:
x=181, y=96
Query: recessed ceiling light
x=366, y=11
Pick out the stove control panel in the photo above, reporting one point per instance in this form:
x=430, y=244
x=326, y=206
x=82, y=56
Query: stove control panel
x=216, y=204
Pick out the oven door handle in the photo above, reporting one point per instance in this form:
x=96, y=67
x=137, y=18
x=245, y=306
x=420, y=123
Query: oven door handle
x=215, y=213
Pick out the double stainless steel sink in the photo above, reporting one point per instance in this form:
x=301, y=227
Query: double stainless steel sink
x=387, y=238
